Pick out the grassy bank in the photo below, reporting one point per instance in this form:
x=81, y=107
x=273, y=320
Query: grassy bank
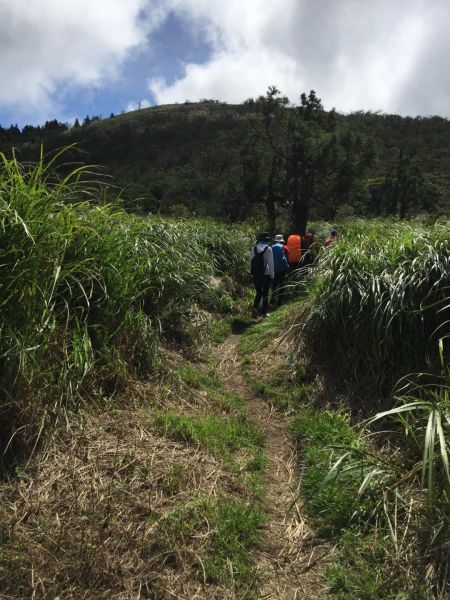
x=128, y=468
x=379, y=302
x=88, y=293
x=146, y=496
x=375, y=308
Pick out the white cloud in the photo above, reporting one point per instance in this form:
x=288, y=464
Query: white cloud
x=133, y=105
x=230, y=76
x=49, y=44
x=355, y=54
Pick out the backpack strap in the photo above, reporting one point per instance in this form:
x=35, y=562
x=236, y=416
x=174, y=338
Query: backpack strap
x=259, y=253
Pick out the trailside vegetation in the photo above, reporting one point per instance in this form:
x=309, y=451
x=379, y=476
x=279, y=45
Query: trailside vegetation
x=126, y=468
x=88, y=292
x=376, y=321
x=376, y=490
x=379, y=301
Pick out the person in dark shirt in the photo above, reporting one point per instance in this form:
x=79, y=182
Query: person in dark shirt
x=332, y=239
x=308, y=255
x=261, y=269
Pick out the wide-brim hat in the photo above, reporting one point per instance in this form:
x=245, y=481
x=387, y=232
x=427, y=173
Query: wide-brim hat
x=279, y=238
x=264, y=237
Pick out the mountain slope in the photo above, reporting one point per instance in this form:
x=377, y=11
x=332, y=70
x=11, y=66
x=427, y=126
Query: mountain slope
x=211, y=158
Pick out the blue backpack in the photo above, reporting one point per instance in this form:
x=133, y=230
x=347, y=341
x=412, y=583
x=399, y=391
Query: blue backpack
x=279, y=259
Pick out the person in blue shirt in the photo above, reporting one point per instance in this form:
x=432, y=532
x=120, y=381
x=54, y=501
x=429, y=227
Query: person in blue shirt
x=281, y=267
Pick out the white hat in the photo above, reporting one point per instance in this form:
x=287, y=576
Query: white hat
x=279, y=238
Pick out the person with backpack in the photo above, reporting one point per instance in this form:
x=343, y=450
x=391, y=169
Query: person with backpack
x=332, y=239
x=294, y=246
x=307, y=243
x=262, y=271
x=281, y=267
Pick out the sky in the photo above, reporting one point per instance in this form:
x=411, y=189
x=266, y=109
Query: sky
x=66, y=59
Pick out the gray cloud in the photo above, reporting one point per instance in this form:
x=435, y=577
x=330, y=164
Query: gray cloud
x=426, y=90
x=356, y=54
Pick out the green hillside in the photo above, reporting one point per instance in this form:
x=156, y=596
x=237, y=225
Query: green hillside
x=212, y=158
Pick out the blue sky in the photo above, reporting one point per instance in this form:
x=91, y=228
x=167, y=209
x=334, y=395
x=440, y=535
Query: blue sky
x=68, y=59
x=165, y=53
x=171, y=46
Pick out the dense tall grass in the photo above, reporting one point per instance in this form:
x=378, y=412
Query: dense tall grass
x=87, y=291
x=380, y=300
x=379, y=317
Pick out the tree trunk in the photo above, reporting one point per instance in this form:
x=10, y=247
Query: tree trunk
x=302, y=194
x=270, y=198
x=396, y=202
x=402, y=204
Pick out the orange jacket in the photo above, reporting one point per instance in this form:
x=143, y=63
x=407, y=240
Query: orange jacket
x=294, y=245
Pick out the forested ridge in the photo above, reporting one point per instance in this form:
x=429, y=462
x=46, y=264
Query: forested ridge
x=228, y=161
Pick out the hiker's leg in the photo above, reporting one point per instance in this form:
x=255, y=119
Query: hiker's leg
x=265, y=293
x=292, y=277
x=281, y=290
x=275, y=288
x=258, y=283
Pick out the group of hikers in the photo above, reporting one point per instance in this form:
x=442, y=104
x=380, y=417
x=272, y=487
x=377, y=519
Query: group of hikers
x=270, y=263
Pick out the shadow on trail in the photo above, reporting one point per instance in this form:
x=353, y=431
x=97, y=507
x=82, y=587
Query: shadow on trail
x=239, y=325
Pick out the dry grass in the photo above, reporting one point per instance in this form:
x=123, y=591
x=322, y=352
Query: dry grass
x=89, y=517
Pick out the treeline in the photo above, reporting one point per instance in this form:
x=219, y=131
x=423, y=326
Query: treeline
x=291, y=162
x=13, y=135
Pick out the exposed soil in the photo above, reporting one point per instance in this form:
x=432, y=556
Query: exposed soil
x=290, y=558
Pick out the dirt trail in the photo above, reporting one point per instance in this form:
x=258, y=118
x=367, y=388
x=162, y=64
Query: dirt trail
x=289, y=556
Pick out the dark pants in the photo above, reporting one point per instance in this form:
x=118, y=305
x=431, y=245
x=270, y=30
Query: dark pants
x=307, y=259
x=277, y=287
x=262, y=287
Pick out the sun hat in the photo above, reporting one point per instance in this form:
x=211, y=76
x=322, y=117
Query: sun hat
x=263, y=237
x=279, y=238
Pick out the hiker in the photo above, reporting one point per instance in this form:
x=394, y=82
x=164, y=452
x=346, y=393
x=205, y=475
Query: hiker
x=332, y=239
x=281, y=266
x=307, y=251
x=261, y=268
x=294, y=247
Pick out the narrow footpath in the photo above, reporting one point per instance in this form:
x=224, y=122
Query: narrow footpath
x=289, y=557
